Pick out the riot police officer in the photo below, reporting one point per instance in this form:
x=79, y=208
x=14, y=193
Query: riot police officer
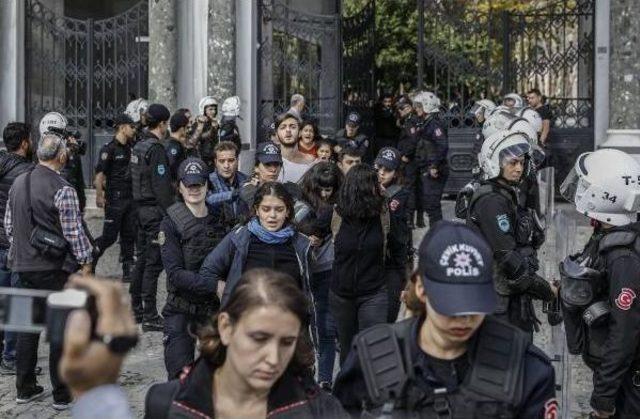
x=431, y=154
x=350, y=137
x=409, y=125
x=72, y=170
x=600, y=285
x=190, y=231
x=480, y=111
x=494, y=210
x=205, y=130
x=228, y=129
x=153, y=194
x=454, y=360
x=113, y=193
x=136, y=110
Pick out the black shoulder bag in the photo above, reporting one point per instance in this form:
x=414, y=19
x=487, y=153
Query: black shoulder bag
x=47, y=243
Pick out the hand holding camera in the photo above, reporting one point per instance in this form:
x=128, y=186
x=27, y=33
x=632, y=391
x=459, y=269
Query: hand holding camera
x=93, y=359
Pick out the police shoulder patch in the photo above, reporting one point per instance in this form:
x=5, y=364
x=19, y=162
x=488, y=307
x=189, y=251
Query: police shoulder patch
x=438, y=132
x=394, y=204
x=161, y=169
x=174, y=151
x=503, y=223
x=550, y=409
x=104, y=155
x=624, y=300
x=161, y=238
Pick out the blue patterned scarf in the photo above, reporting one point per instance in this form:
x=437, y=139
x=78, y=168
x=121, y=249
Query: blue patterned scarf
x=270, y=237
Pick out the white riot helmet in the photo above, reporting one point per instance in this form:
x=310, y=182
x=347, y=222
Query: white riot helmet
x=499, y=148
x=517, y=99
x=605, y=185
x=53, y=120
x=482, y=108
x=429, y=102
x=206, y=101
x=231, y=107
x=135, y=108
x=532, y=116
x=499, y=120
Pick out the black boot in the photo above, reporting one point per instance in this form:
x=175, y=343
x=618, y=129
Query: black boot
x=420, y=219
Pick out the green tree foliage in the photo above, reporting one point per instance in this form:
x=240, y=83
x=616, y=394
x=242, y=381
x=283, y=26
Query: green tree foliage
x=467, y=32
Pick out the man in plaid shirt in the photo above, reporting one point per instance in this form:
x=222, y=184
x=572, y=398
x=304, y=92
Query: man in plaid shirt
x=43, y=199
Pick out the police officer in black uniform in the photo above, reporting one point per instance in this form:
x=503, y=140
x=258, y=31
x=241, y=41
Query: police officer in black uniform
x=387, y=164
x=153, y=194
x=351, y=138
x=494, y=210
x=190, y=231
x=453, y=360
x=113, y=193
x=600, y=286
x=176, y=150
x=409, y=126
x=72, y=170
x=431, y=154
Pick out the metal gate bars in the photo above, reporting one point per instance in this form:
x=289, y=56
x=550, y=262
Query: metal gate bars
x=298, y=53
x=86, y=69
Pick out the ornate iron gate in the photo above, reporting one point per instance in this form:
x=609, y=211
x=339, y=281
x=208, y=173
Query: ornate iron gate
x=358, y=64
x=86, y=69
x=552, y=48
x=471, y=51
x=298, y=53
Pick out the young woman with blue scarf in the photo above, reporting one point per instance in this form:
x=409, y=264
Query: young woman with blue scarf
x=268, y=240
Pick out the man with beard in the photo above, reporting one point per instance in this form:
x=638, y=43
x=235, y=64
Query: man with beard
x=17, y=160
x=294, y=163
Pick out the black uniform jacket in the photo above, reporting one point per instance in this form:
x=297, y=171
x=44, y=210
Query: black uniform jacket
x=538, y=397
x=191, y=396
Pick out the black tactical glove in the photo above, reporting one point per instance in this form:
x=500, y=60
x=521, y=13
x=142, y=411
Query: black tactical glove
x=540, y=289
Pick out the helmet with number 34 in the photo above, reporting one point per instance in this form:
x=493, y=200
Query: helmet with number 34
x=605, y=185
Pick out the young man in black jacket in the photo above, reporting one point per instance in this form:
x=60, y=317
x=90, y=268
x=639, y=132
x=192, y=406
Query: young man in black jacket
x=17, y=160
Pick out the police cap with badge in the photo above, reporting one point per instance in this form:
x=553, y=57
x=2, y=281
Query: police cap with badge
x=268, y=152
x=456, y=267
x=354, y=119
x=388, y=157
x=193, y=172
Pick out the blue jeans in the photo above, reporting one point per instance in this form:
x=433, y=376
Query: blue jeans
x=8, y=279
x=326, y=326
x=354, y=314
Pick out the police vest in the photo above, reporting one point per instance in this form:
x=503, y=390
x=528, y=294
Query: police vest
x=197, y=240
x=141, y=170
x=492, y=387
x=584, y=293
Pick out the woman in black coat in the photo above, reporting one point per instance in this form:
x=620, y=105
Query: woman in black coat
x=358, y=294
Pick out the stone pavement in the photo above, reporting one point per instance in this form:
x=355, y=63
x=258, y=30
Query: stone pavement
x=144, y=365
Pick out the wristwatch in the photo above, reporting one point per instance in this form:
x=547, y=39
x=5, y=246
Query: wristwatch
x=119, y=344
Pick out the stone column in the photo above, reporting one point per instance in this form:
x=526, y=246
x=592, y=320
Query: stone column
x=221, y=50
x=163, y=52
x=624, y=77
x=246, y=75
x=191, y=53
x=12, y=24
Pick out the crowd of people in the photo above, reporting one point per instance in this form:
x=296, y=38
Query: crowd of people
x=308, y=257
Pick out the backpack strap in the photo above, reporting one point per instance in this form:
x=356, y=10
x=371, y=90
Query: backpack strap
x=497, y=369
x=385, y=360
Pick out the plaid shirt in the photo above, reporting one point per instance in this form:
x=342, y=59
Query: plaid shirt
x=66, y=201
